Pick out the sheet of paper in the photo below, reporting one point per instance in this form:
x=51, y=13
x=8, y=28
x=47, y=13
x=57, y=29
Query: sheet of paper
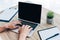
x=1, y=38
x=44, y=34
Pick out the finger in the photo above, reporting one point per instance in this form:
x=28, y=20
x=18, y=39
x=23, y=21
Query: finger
x=30, y=29
x=16, y=22
x=27, y=26
x=15, y=26
x=19, y=21
x=23, y=26
x=19, y=30
x=19, y=25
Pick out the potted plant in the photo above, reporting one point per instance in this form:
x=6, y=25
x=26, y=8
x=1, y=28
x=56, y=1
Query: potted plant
x=50, y=16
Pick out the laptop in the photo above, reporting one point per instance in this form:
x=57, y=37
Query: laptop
x=29, y=14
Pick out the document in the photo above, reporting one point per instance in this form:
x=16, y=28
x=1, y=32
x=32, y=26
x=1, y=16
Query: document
x=49, y=33
x=8, y=14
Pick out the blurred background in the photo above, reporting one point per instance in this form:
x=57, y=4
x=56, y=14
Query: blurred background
x=53, y=5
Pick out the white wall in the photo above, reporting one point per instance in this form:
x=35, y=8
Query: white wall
x=7, y=3
x=49, y=4
x=55, y=5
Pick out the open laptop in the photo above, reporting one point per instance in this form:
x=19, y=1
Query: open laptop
x=29, y=14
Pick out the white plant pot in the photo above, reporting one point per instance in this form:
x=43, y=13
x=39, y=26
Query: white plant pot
x=49, y=21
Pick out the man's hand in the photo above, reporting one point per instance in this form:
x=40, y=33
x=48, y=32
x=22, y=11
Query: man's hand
x=24, y=31
x=11, y=25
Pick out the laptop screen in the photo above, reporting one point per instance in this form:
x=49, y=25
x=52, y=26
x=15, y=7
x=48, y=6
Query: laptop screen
x=30, y=12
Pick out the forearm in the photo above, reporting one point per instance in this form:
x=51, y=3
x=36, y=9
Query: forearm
x=2, y=29
x=22, y=37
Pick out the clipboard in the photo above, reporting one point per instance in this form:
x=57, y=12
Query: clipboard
x=51, y=33
x=8, y=14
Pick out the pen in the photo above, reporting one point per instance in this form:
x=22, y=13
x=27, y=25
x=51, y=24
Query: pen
x=52, y=36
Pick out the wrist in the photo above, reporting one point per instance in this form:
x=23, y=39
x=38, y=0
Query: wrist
x=22, y=37
x=2, y=29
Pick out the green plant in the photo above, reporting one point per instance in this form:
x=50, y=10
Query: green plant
x=50, y=15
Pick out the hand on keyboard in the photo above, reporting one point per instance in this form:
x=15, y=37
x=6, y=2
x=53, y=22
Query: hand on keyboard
x=11, y=25
x=24, y=30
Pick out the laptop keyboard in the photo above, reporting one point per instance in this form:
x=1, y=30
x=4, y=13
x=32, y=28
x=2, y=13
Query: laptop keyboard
x=27, y=23
x=31, y=24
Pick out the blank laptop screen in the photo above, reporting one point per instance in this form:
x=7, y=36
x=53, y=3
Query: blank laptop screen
x=30, y=12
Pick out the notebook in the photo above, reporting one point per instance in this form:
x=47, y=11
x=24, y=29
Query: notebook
x=46, y=33
x=8, y=14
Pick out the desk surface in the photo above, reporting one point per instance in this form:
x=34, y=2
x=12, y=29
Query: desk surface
x=13, y=36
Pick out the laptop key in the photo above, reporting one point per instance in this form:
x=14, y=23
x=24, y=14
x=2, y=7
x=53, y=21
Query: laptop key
x=31, y=24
